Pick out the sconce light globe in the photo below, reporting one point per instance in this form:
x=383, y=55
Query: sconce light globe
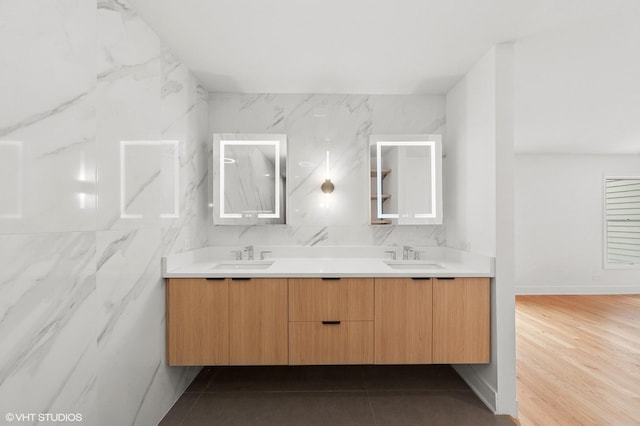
x=327, y=186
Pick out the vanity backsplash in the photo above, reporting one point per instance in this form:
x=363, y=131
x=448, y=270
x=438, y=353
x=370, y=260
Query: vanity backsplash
x=327, y=137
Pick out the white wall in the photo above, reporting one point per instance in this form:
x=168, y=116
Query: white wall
x=577, y=103
x=559, y=224
x=470, y=161
x=82, y=312
x=314, y=124
x=479, y=207
x=577, y=86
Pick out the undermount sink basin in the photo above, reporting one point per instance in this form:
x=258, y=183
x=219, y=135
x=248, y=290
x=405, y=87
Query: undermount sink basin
x=411, y=264
x=244, y=265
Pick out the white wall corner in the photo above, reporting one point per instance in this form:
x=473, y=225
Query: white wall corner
x=483, y=389
x=480, y=160
x=505, y=231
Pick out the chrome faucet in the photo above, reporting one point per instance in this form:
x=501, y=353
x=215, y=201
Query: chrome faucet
x=263, y=253
x=406, y=250
x=249, y=250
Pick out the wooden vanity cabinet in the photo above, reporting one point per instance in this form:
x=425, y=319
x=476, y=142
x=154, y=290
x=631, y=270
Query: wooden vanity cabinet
x=315, y=321
x=227, y=321
x=331, y=321
x=197, y=321
x=258, y=321
x=403, y=320
x=461, y=320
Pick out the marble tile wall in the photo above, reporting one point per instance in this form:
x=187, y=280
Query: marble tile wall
x=82, y=312
x=146, y=97
x=184, y=112
x=48, y=298
x=315, y=124
x=160, y=101
x=48, y=302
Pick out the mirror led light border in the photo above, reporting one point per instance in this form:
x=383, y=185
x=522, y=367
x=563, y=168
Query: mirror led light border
x=431, y=145
x=276, y=145
x=176, y=170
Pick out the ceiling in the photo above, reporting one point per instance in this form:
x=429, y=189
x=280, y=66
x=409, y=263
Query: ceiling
x=348, y=46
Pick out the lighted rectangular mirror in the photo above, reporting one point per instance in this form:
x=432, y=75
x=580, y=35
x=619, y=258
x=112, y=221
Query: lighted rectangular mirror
x=406, y=179
x=249, y=179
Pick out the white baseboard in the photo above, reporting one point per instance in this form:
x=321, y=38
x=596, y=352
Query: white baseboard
x=576, y=290
x=478, y=385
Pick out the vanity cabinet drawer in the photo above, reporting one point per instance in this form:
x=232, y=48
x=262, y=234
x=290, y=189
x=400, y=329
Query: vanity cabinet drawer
x=331, y=342
x=343, y=299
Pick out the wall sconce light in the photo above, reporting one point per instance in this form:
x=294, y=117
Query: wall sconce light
x=327, y=187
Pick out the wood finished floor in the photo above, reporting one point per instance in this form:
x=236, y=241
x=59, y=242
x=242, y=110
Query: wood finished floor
x=578, y=360
x=331, y=396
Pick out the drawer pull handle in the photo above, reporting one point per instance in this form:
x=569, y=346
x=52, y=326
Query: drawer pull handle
x=446, y=278
x=330, y=322
x=240, y=279
x=330, y=278
x=215, y=279
x=421, y=278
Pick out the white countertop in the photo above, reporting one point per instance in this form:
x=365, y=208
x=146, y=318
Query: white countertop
x=218, y=262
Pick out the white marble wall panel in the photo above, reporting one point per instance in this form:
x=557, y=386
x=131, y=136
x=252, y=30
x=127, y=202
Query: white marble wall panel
x=132, y=373
x=149, y=179
x=144, y=94
x=315, y=124
x=57, y=171
x=47, y=58
x=47, y=82
x=326, y=235
x=47, y=277
x=267, y=235
x=399, y=114
x=74, y=340
x=337, y=124
x=128, y=100
x=131, y=333
x=252, y=113
x=185, y=118
x=11, y=175
x=47, y=324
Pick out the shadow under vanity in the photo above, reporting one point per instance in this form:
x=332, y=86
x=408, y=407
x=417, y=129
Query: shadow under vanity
x=279, y=305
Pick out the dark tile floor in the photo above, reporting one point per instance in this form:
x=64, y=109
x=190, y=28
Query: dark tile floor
x=331, y=395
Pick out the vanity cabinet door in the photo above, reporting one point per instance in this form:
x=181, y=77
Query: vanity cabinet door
x=258, y=322
x=461, y=320
x=403, y=321
x=197, y=321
